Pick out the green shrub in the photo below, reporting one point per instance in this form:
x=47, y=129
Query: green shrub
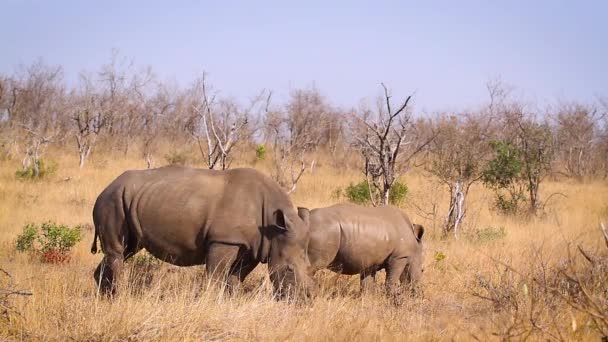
x=398, y=193
x=26, y=239
x=505, y=169
x=359, y=193
x=176, y=158
x=503, y=175
x=52, y=242
x=59, y=238
x=44, y=170
x=260, y=152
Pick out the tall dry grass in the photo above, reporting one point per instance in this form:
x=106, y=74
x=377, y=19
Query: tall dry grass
x=479, y=286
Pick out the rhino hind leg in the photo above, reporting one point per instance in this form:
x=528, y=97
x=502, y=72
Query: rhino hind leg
x=107, y=273
x=118, y=245
x=368, y=279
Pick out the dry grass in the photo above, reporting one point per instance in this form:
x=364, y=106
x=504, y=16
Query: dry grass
x=470, y=294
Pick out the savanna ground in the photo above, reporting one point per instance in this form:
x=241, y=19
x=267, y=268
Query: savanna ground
x=494, y=282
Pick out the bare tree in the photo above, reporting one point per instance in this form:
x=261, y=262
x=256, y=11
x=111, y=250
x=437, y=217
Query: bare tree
x=535, y=145
x=123, y=93
x=458, y=155
x=387, y=142
x=460, y=150
x=155, y=115
x=36, y=106
x=7, y=139
x=88, y=118
x=577, y=130
x=295, y=133
x=217, y=126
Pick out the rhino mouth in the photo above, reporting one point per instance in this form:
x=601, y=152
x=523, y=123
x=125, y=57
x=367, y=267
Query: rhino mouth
x=287, y=285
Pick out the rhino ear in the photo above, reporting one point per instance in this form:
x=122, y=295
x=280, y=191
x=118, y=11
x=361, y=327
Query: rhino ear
x=418, y=231
x=281, y=220
x=304, y=214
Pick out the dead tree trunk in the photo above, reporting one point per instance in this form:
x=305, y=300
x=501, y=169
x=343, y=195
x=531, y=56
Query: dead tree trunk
x=456, y=211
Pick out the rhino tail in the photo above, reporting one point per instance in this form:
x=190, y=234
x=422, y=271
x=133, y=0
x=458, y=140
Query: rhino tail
x=94, y=246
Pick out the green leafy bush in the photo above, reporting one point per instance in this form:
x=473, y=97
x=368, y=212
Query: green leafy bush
x=359, y=193
x=398, y=193
x=176, y=158
x=52, y=242
x=44, y=170
x=260, y=152
x=503, y=174
x=505, y=168
x=26, y=239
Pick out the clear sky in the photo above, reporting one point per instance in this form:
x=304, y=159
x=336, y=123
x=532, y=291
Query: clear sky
x=445, y=51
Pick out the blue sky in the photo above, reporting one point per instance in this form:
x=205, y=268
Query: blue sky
x=444, y=51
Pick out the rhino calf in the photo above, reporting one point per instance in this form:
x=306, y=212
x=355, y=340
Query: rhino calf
x=229, y=220
x=352, y=239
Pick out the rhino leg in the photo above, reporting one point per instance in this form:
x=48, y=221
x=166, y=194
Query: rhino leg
x=243, y=269
x=107, y=273
x=394, y=271
x=222, y=264
x=368, y=280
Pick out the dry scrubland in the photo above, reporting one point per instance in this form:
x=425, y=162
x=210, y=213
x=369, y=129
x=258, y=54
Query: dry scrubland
x=161, y=302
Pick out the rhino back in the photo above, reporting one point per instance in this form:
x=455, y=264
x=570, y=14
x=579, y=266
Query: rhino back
x=368, y=236
x=176, y=211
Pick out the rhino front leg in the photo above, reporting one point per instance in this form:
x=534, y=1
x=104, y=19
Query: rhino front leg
x=393, y=274
x=220, y=262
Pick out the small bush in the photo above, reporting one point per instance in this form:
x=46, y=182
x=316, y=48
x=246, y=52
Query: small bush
x=260, y=152
x=44, y=170
x=359, y=193
x=487, y=234
x=51, y=241
x=398, y=193
x=504, y=176
x=176, y=158
x=26, y=239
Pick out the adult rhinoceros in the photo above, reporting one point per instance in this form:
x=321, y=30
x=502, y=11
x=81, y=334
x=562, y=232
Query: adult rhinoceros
x=352, y=239
x=228, y=220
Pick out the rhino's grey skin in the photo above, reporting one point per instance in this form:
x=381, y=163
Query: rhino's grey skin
x=352, y=239
x=229, y=220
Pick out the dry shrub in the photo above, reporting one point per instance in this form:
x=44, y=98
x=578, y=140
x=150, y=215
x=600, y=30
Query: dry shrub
x=10, y=317
x=547, y=300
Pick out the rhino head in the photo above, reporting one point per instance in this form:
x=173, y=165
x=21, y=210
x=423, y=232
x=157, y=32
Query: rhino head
x=288, y=264
x=413, y=271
